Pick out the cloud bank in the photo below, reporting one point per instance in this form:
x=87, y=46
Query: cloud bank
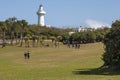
x=96, y=24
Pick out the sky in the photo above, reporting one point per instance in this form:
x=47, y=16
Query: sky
x=63, y=13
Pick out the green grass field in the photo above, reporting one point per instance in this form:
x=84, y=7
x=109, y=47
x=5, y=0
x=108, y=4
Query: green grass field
x=54, y=63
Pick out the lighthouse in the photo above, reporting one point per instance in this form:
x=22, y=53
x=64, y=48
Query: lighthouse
x=41, y=14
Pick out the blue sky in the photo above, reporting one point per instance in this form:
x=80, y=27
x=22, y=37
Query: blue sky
x=63, y=13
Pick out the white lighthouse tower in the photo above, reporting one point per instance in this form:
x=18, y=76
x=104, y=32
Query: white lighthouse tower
x=41, y=13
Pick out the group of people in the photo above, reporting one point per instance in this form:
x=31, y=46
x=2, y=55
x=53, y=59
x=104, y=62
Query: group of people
x=75, y=45
x=27, y=55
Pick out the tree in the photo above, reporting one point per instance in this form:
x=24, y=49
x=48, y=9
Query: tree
x=23, y=25
x=76, y=36
x=42, y=38
x=27, y=42
x=111, y=57
x=12, y=26
x=37, y=39
x=34, y=38
x=3, y=28
x=91, y=37
x=53, y=39
x=59, y=38
x=100, y=33
x=66, y=36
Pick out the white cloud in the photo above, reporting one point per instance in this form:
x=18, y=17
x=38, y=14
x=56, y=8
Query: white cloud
x=96, y=24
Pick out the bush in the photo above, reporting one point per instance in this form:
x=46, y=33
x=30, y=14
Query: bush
x=111, y=57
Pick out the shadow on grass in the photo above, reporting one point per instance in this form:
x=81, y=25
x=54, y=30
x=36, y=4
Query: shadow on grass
x=97, y=71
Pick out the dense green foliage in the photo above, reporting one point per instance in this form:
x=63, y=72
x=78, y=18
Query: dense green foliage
x=18, y=30
x=111, y=56
x=90, y=36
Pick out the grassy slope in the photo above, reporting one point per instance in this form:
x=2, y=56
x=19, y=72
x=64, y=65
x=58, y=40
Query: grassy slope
x=53, y=63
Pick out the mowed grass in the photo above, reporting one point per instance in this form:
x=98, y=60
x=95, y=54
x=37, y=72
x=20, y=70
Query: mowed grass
x=54, y=63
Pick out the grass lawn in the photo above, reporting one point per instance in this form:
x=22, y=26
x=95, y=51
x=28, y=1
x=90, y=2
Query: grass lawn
x=54, y=63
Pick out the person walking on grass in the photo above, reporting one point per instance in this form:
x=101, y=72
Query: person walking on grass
x=27, y=54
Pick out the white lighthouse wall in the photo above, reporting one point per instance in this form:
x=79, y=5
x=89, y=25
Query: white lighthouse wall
x=41, y=20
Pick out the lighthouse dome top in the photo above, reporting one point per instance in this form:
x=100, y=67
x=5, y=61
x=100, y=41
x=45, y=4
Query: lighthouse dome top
x=41, y=10
x=41, y=5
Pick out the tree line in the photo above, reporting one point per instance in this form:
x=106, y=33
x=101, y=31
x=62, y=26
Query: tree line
x=88, y=36
x=19, y=32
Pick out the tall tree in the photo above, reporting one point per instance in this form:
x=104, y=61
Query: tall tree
x=23, y=25
x=34, y=38
x=52, y=39
x=3, y=28
x=11, y=22
x=59, y=38
x=27, y=40
x=111, y=57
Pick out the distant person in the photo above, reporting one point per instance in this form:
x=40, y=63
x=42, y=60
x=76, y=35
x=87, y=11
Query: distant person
x=68, y=43
x=27, y=55
x=72, y=44
x=78, y=45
